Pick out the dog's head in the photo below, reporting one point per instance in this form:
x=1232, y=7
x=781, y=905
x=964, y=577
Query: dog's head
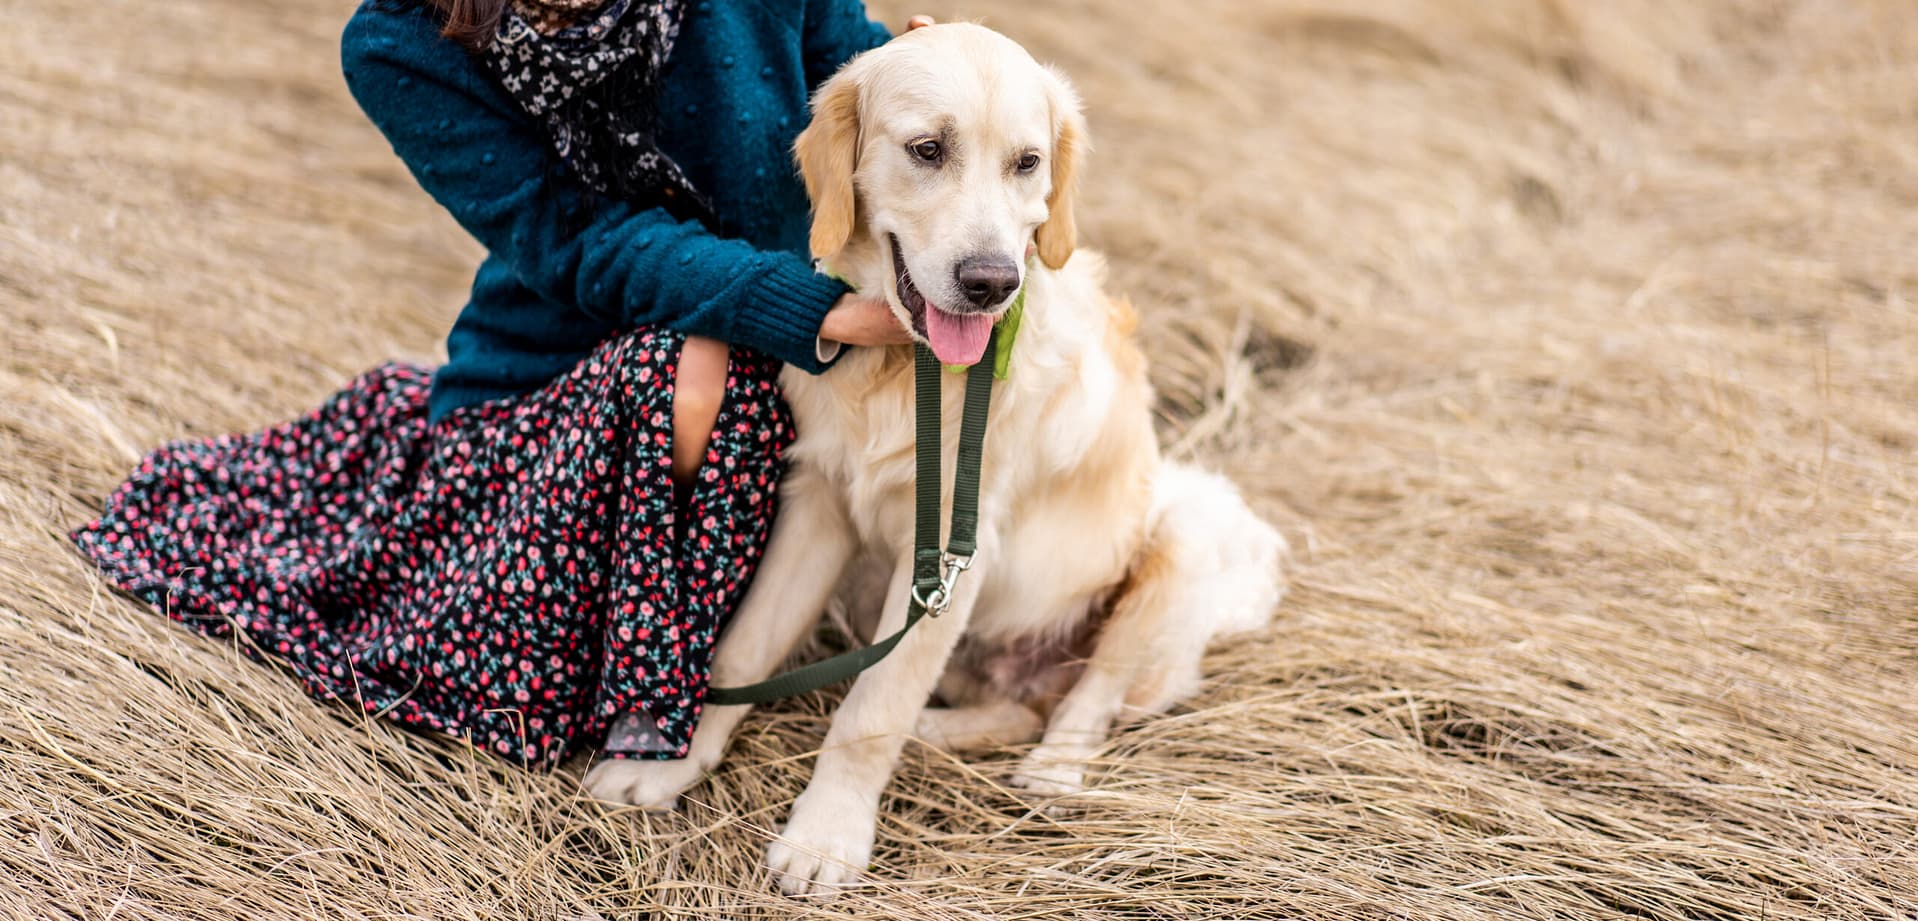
x=937, y=164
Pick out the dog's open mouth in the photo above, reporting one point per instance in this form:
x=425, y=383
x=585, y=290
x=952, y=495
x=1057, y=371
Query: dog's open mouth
x=956, y=338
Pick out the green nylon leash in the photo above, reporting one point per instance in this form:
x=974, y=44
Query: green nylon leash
x=933, y=572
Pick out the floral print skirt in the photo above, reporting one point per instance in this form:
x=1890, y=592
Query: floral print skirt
x=519, y=573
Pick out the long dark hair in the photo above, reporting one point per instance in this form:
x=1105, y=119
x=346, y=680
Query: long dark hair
x=470, y=22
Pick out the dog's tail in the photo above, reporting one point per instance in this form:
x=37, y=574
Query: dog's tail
x=1227, y=560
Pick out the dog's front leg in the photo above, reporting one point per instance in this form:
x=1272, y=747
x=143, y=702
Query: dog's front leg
x=809, y=547
x=828, y=840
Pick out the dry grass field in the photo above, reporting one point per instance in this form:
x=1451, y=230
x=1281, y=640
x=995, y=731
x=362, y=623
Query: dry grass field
x=1574, y=345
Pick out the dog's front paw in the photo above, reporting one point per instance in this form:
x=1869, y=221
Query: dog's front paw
x=824, y=847
x=1052, y=771
x=653, y=785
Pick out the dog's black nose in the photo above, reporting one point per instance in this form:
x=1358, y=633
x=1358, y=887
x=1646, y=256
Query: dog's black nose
x=987, y=280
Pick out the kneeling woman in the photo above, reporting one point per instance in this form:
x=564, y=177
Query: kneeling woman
x=535, y=545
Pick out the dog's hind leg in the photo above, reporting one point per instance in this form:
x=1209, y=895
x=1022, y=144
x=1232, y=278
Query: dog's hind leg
x=810, y=545
x=1210, y=568
x=978, y=726
x=1138, y=645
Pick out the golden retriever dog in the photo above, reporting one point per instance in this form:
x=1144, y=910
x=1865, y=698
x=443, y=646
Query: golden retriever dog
x=941, y=168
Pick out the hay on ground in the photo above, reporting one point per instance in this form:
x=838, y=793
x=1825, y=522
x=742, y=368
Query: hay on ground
x=1573, y=343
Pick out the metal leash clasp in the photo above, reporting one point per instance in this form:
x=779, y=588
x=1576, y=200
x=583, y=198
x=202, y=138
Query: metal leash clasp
x=950, y=566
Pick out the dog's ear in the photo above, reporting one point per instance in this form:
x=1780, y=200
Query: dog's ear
x=1059, y=234
x=828, y=151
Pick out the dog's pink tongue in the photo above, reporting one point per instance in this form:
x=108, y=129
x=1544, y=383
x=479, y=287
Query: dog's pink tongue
x=958, y=339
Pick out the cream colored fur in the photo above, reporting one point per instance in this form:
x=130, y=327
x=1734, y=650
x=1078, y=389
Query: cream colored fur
x=1102, y=570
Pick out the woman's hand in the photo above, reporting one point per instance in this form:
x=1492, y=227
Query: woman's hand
x=859, y=320
x=920, y=22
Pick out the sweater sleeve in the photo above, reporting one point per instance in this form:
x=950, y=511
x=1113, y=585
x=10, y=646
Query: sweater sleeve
x=835, y=30
x=477, y=154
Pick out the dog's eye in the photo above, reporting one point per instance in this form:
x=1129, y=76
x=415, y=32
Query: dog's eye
x=1028, y=163
x=927, y=150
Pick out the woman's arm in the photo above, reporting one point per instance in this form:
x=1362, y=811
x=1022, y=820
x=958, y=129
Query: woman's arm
x=473, y=151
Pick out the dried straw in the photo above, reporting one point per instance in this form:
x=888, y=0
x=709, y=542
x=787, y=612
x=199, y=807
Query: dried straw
x=1573, y=342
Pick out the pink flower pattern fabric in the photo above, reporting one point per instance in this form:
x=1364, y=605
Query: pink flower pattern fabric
x=519, y=573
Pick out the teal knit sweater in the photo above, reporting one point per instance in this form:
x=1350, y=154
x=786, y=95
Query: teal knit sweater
x=567, y=268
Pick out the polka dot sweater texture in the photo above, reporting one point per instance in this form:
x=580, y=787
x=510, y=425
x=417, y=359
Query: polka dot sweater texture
x=566, y=267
